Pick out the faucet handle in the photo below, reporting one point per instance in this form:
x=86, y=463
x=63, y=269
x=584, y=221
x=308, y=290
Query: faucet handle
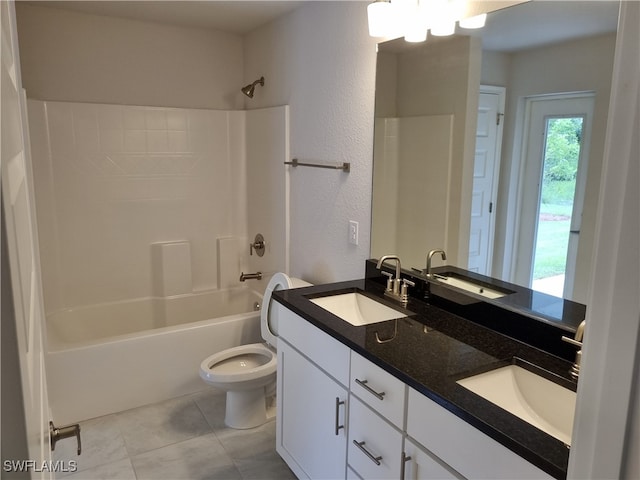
x=405, y=285
x=577, y=341
x=389, y=280
x=572, y=341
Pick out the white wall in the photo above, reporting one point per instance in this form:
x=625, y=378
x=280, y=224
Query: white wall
x=76, y=57
x=320, y=60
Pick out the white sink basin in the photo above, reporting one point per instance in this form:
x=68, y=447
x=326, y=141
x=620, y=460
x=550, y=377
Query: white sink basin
x=536, y=400
x=470, y=286
x=357, y=309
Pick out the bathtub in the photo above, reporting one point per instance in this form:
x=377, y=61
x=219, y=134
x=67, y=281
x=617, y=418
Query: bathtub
x=110, y=357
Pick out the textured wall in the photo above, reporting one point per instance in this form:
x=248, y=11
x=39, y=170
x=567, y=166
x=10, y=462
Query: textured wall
x=76, y=57
x=321, y=61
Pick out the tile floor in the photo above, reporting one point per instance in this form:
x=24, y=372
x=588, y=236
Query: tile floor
x=179, y=439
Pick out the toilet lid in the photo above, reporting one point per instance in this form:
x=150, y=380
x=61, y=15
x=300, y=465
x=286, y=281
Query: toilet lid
x=268, y=323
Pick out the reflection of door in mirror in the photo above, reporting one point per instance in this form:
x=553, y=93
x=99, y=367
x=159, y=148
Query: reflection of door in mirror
x=443, y=76
x=556, y=145
x=486, y=167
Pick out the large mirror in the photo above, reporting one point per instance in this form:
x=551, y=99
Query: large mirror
x=489, y=144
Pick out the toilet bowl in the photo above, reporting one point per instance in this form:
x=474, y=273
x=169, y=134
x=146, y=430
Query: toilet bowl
x=248, y=372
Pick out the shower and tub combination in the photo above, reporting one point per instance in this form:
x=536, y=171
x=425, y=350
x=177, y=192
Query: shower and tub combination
x=144, y=225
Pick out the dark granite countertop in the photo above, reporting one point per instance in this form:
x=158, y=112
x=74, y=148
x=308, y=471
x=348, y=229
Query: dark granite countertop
x=560, y=312
x=430, y=350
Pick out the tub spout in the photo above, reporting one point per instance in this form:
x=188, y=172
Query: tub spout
x=250, y=276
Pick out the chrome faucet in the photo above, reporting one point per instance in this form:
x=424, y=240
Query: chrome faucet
x=396, y=287
x=576, y=341
x=250, y=276
x=430, y=256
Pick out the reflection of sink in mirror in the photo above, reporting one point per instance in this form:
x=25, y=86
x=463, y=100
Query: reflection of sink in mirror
x=536, y=400
x=469, y=285
x=357, y=309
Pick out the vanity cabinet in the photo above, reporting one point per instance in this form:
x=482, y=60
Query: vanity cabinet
x=342, y=416
x=312, y=396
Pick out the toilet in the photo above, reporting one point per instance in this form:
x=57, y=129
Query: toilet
x=248, y=372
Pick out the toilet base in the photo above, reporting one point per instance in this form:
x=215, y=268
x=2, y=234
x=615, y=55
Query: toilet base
x=247, y=409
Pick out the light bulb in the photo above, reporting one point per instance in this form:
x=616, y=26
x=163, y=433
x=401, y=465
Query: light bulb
x=474, y=22
x=378, y=14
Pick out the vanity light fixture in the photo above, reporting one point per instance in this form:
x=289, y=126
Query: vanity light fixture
x=413, y=18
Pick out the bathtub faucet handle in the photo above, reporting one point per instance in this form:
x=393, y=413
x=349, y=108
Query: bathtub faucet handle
x=258, y=245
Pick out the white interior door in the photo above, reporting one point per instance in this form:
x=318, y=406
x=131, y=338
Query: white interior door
x=19, y=214
x=486, y=167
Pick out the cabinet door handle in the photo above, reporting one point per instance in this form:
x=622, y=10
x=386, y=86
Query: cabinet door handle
x=363, y=384
x=338, y=403
x=360, y=445
x=403, y=460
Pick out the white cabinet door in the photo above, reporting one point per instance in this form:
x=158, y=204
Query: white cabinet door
x=419, y=465
x=311, y=430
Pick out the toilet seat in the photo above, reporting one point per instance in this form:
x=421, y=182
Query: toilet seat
x=269, y=321
x=239, y=373
x=248, y=372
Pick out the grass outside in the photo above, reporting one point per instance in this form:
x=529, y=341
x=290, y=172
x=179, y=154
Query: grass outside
x=552, y=240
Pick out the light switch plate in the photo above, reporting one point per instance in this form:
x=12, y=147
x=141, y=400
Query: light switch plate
x=353, y=232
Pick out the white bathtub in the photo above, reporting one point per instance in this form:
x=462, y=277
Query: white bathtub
x=111, y=357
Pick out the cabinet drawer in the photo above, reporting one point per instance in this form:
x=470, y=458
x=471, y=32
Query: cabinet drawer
x=378, y=455
x=465, y=448
x=380, y=390
x=322, y=349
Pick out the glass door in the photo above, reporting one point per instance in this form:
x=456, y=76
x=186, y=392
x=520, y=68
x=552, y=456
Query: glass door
x=556, y=144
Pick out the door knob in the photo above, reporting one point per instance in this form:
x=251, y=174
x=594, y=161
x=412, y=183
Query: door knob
x=61, y=433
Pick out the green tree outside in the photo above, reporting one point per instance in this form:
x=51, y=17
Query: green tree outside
x=562, y=153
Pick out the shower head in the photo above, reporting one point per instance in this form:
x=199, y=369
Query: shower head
x=250, y=89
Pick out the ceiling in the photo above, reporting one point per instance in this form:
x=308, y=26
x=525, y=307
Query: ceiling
x=534, y=23
x=539, y=23
x=237, y=16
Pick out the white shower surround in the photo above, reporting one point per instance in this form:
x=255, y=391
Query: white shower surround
x=112, y=181
x=146, y=207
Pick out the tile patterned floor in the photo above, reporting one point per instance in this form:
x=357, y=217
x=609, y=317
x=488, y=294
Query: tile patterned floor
x=180, y=439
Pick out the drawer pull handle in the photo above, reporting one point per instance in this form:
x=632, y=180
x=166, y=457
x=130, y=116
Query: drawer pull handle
x=360, y=445
x=338, y=426
x=403, y=460
x=363, y=384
